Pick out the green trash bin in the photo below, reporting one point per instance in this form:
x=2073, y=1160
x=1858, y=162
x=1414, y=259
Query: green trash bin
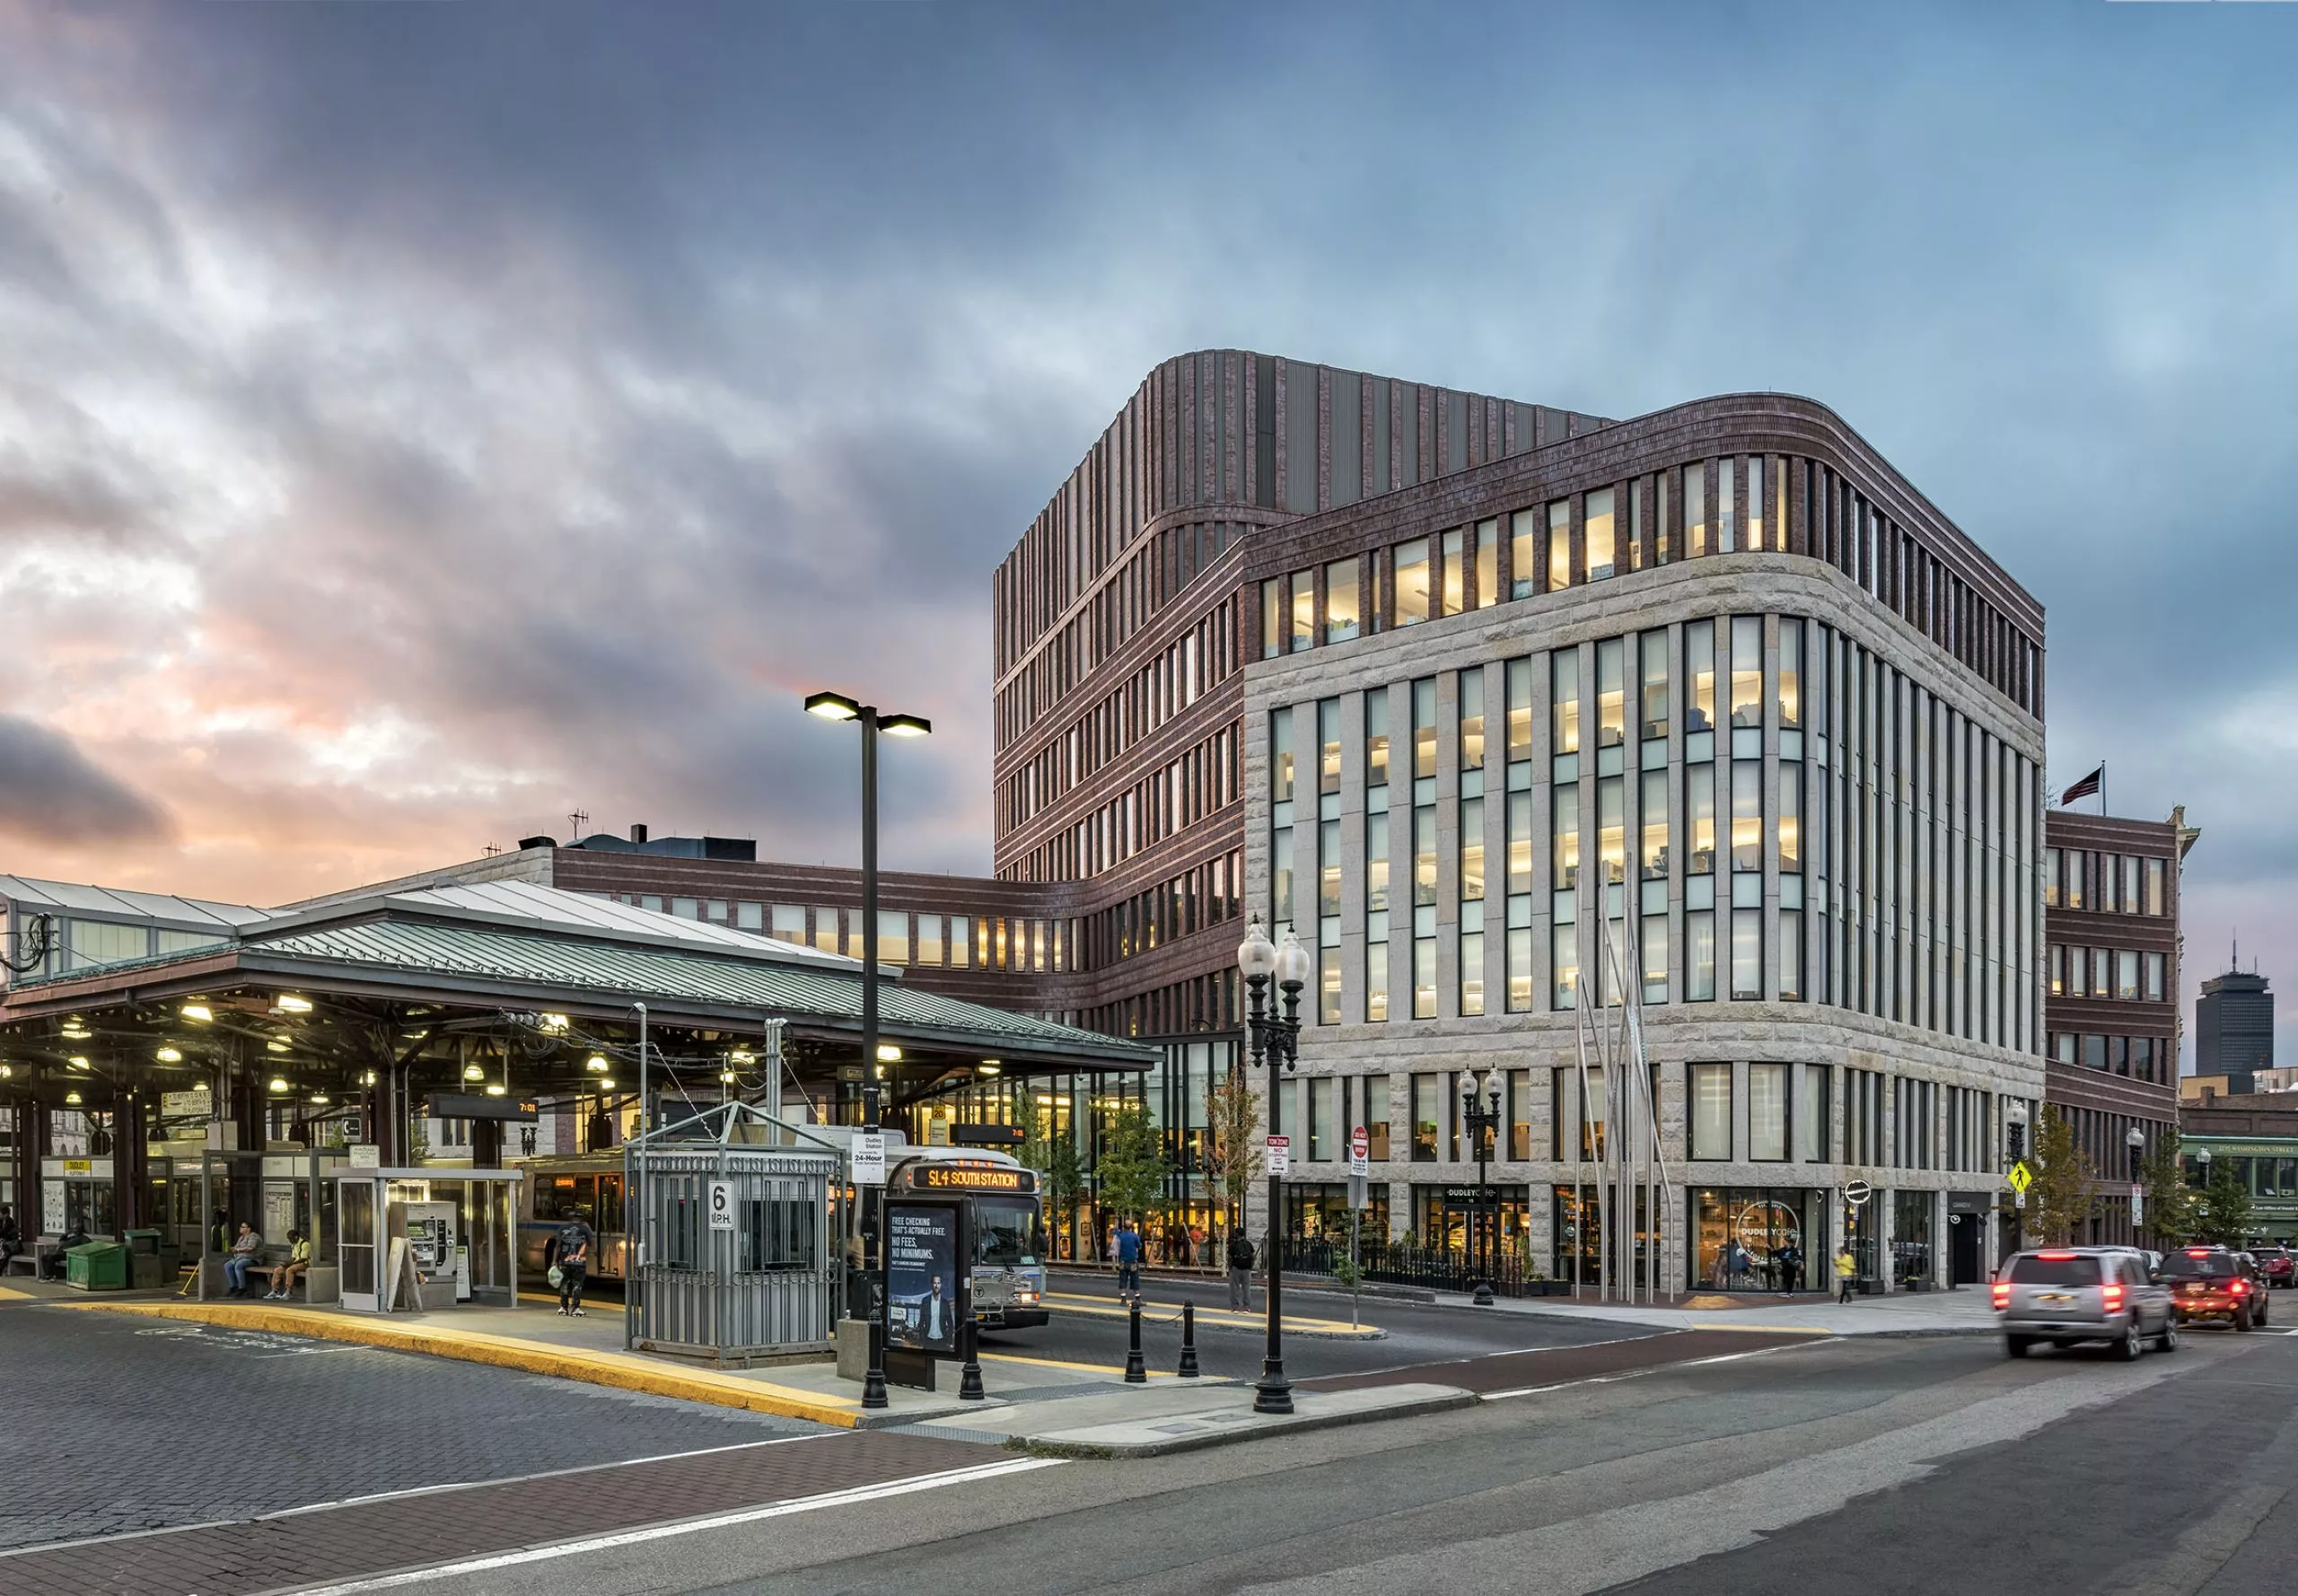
x=97, y=1265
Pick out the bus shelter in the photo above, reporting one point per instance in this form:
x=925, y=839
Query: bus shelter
x=423, y=1239
x=735, y=1213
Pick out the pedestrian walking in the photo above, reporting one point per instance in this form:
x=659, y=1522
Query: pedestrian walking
x=1128, y=1259
x=1240, y=1272
x=1846, y=1268
x=1789, y=1263
x=573, y=1266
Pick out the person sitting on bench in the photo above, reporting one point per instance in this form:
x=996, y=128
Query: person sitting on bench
x=12, y=1237
x=57, y=1263
x=298, y=1259
x=243, y=1250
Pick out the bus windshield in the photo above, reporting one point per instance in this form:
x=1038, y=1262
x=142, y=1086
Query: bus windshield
x=1003, y=1234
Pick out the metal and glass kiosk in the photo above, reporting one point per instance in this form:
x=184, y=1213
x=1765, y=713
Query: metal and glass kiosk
x=417, y=1240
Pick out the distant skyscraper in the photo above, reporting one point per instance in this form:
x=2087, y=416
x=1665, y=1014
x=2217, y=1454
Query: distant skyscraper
x=2233, y=1028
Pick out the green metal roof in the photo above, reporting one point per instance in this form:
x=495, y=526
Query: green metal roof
x=654, y=974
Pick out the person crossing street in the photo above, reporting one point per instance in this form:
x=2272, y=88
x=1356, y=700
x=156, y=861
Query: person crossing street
x=1846, y=1268
x=1240, y=1272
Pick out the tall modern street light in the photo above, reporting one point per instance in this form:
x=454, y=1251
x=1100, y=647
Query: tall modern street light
x=1278, y=1040
x=838, y=707
x=1481, y=1124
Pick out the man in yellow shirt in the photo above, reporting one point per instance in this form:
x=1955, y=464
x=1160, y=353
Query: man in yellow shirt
x=1845, y=1267
x=298, y=1259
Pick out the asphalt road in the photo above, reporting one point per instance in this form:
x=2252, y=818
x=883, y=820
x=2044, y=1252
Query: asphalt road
x=1868, y=1466
x=1418, y=1335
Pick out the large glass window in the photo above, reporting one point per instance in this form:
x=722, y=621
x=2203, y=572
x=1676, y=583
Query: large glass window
x=1520, y=843
x=1710, y=1090
x=1611, y=692
x=1428, y=1091
x=1280, y=756
x=1471, y=852
x=1272, y=618
x=1655, y=940
x=1766, y=1112
x=1700, y=956
x=1811, y=1114
x=1424, y=728
x=1726, y=530
x=1559, y=545
x=1342, y=602
x=1455, y=580
x=2156, y=897
x=1747, y=670
x=1376, y=738
x=1412, y=583
x=1328, y=747
x=1520, y=709
x=1699, y=819
x=1423, y=977
x=1699, y=673
x=2050, y=877
x=1304, y=609
x=1746, y=814
x=1565, y=814
x=1612, y=828
x=2126, y=975
x=1695, y=508
x=1597, y=530
x=1755, y=502
x=1523, y=554
x=1471, y=706
x=1788, y=690
x=1654, y=815
x=1423, y=856
x=1654, y=655
x=1563, y=695
x=1746, y=955
x=1488, y=563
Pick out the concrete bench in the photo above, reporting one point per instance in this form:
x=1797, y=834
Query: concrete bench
x=33, y=1259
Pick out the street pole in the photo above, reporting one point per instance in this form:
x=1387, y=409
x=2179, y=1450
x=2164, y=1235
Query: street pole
x=1277, y=1038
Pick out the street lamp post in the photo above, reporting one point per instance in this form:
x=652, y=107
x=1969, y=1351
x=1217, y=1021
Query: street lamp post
x=2133, y=1141
x=1277, y=1038
x=838, y=707
x=1482, y=1125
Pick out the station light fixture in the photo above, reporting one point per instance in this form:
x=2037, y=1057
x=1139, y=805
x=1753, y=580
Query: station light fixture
x=727, y=1077
x=596, y=1063
x=7, y=1071
x=75, y=1029
x=289, y=1003
x=367, y=1079
x=607, y=1084
x=471, y=1072
x=906, y=725
x=277, y=1045
x=279, y=1082
x=199, y=1011
x=71, y=1100
x=495, y=1089
x=169, y=1056
x=319, y=1096
x=79, y=1062
x=889, y=1054
x=741, y=1055
x=832, y=707
x=554, y=1022
x=988, y=1066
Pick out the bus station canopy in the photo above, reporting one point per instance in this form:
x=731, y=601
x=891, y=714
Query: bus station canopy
x=531, y=985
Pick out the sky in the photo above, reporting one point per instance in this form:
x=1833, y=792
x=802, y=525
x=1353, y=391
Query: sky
x=418, y=422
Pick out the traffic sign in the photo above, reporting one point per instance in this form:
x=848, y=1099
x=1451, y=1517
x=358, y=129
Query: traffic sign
x=1857, y=1192
x=1360, y=1154
x=2020, y=1176
x=722, y=1204
x=2138, y=1204
x=869, y=1158
x=1280, y=1154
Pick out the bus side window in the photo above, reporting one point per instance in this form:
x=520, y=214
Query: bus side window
x=610, y=1217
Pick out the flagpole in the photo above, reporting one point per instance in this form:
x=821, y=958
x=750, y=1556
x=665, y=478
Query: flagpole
x=2103, y=786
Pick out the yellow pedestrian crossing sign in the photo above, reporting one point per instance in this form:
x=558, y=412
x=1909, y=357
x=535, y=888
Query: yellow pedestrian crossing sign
x=2020, y=1176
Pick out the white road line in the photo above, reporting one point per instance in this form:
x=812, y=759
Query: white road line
x=460, y=1484
x=749, y=1515
x=1727, y=1358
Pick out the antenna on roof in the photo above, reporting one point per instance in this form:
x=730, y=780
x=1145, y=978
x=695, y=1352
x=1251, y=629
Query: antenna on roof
x=494, y=848
x=579, y=820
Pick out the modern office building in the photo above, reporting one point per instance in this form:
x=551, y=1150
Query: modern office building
x=1481, y=672
x=2234, y=1027
x=2110, y=1009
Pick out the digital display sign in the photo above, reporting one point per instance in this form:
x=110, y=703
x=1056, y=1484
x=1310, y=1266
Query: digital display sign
x=962, y=1177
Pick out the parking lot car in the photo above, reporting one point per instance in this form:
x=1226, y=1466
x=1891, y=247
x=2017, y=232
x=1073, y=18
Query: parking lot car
x=2213, y=1283
x=2063, y=1295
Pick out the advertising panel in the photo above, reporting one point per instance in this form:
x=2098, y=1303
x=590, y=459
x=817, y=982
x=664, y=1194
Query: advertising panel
x=924, y=1277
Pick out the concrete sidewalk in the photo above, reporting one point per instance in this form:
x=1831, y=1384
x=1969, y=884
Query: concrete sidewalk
x=1965, y=1312
x=1183, y=1416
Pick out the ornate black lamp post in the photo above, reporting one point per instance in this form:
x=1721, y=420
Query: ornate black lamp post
x=1482, y=1125
x=1277, y=1040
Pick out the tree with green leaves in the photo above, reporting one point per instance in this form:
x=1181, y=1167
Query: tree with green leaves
x=2060, y=1197
x=1052, y=1153
x=2170, y=1202
x=1132, y=1167
x=2224, y=1213
x=1232, y=1159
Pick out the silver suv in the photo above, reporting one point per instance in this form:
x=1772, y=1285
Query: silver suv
x=2067, y=1294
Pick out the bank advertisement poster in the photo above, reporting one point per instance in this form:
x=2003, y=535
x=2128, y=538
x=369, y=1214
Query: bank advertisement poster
x=924, y=1290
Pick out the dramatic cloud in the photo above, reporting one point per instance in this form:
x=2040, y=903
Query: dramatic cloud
x=419, y=423
x=50, y=792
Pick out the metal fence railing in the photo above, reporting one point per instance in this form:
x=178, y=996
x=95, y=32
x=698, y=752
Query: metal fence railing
x=1406, y=1261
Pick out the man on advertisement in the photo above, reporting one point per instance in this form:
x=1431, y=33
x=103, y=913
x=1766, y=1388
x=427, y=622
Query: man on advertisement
x=922, y=1262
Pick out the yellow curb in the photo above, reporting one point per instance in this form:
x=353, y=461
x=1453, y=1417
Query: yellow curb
x=11, y=1293
x=617, y=1370
x=1225, y=1317
x=1764, y=1329
x=1007, y=1357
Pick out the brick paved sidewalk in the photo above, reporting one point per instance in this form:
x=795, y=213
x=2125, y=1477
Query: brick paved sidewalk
x=310, y=1546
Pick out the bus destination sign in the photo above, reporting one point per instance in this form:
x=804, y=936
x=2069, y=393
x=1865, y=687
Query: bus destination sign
x=963, y=1177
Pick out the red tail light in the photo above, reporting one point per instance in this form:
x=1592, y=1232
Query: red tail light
x=2112, y=1291
x=2002, y=1295
x=2198, y=1252
x=2239, y=1287
x=2054, y=1257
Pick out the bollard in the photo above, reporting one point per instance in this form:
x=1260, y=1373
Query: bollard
x=1135, y=1372
x=1188, y=1341
x=970, y=1377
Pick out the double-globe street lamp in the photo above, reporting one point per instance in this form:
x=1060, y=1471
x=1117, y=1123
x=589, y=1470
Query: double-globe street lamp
x=838, y=707
x=1482, y=1125
x=1277, y=1038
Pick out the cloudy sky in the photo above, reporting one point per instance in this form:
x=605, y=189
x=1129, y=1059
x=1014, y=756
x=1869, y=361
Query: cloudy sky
x=419, y=422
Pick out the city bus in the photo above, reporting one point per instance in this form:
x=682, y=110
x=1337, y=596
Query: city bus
x=1007, y=1277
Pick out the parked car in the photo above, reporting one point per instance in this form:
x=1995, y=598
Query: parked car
x=2216, y=1282
x=2279, y=1265
x=2063, y=1295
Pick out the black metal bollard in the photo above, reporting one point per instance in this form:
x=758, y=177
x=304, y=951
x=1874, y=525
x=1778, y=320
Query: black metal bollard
x=1188, y=1341
x=970, y=1377
x=1135, y=1371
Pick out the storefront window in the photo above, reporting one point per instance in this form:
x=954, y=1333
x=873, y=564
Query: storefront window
x=1911, y=1236
x=1756, y=1238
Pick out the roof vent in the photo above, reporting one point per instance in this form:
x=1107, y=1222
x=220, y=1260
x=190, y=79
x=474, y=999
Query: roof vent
x=538, y=842
x=638, y=832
